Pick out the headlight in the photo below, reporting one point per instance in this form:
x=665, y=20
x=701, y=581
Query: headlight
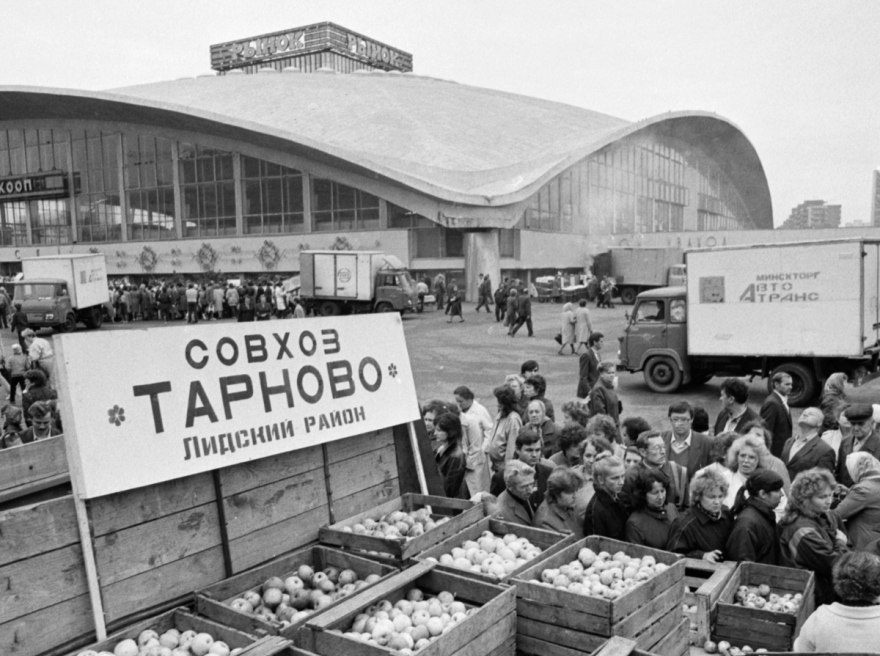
x=49, y=317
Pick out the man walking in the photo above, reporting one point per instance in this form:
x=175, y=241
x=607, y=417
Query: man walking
x=523, y=315
x=775, y=411
x=588, y=365
x=484, y=292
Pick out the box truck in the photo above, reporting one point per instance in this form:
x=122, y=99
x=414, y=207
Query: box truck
x=342, y=282
x=808, y=309
x=638, y=269
x=58, y=291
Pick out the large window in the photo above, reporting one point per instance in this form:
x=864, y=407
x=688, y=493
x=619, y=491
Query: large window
x=149, y=187
x=340, y=207
x=208, y=189
x=273, y=198
x=95, y=165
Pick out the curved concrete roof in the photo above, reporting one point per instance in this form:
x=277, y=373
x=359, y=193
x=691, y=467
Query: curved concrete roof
x=459, y=143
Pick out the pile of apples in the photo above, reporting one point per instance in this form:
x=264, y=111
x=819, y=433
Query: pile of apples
x=601, y=574
x=397, y=525
x=294, y=598
x=490, y=554
x=760, y=596
x=411, y=624
x=726, y=649
x=170, y=643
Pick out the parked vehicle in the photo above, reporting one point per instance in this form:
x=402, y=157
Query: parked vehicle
x=638, y=269
x=808, y=309
x=341, y=282
x=59, y=291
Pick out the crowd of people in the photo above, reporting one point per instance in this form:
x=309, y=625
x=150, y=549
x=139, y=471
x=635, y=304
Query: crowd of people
x=750, y=486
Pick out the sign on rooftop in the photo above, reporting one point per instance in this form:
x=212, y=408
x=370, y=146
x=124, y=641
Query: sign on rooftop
x=144, y=407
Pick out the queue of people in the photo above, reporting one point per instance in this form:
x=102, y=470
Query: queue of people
x=714, y=495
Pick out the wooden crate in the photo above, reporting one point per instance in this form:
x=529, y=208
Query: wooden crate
x=180, y=619
x=33, y=467
x=758, y=627
x=488, y=631
x=703, y=583
x=461, y=514
x=558, y=622
x=213, y=601
x=675, y=644
x=549, y=542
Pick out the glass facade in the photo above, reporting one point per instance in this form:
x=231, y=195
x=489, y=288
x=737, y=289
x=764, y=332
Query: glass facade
x=207, y=184
x=645, y=183
x=273, y=198
x=149, y=187
x=337, y=206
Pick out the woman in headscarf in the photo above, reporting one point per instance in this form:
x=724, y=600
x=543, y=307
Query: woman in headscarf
x=809, y=535
x=833, y=398
x=566, y=329
x=860, y=508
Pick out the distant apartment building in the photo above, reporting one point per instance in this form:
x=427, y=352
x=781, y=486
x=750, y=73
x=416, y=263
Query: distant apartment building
x=813, y=214
x=875, y=199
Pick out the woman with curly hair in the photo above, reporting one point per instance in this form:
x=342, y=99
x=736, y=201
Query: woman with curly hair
x=571, y=446
x=810, y=535
x=507, y=426
x=651, y=517
x=747, y=455
x=605, y=427
x=703, y=529
x=853, y=623
x=575, y=412
x=517, y=384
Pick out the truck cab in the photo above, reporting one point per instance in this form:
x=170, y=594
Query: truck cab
x=395, y=291
x=46, y=302
x=655, y=339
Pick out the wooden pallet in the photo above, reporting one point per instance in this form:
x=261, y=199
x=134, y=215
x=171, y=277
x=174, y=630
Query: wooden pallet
x=549, y=541
x=758, y=627
x=560, y=623
x=703, y=583
x=490, y=630
x=213, y=601
x=180, y=619
x=461, y=514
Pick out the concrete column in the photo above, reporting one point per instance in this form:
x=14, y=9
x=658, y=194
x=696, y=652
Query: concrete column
x=482, y=254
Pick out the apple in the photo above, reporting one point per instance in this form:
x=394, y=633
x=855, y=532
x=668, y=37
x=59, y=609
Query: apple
x=252, y=597
x=272, y=597
x=219, y=647
x=126, y=648
x=305, y=573
x=240, y=604
x=710, y=647
x=201, y=644
x=347, y=576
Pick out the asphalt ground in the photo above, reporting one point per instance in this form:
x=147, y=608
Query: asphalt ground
x=478, y=353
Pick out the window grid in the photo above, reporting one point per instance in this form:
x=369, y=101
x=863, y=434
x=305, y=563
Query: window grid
x=208, y=191
x=273, y=200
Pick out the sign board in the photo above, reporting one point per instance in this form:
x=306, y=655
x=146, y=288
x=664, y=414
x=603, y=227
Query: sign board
x=145, y=407
x=52, y=184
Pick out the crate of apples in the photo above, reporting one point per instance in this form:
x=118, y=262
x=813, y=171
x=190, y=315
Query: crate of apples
x=490, y=554
x=170, y=643
x=726, y=649
x=760, y=596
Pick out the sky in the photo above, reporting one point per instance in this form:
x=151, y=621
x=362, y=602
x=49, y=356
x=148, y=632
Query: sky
x=800, y=78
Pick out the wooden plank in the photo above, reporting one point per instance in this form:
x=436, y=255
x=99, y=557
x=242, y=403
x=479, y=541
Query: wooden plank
x=535, y=647
x=651, y=611
x=118, y=511
x=41, y=581
x=356, y=474
x=136, y=549
x=270, y=542
x=616, y=646
x=490, y=640
x=675, y=643
x=248, y=475
x=351, y=447
x=560, y=616
x=157, y=585
x=582, y=642
x=48, y=627
x=37, y=528
x=363, y=500
x=31, y=463
x=658, y=629
x=270, y=504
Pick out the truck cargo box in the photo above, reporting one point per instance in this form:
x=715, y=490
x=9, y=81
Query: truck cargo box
x=86, y=275
x=818, y=299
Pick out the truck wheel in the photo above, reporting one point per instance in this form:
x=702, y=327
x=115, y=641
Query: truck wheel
x=69, y=324
x=804, y=386
x=329, y=309
x=628, y=295
x=384, y=306
x=662, y=374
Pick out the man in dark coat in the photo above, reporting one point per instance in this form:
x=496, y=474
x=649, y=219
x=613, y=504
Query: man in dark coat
x=523, y=314
x=19, y=323
x=864, y=438
x=736, y=412
x=755, y=537
x=806, y=449
x=684, y=446
x=501, y=301
x=775, y=412
x=588, y=365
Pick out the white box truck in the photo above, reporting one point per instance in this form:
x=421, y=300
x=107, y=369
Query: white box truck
x=58, y=291
x=808, y=309
x=340, y=282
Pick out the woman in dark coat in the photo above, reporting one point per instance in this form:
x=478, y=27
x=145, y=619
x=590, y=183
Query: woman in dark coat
x=453, y=307
x=606, y=513
x=703, y=529
x=755, y=537
x=451, y=460
x=651, y=519
x=809, y=535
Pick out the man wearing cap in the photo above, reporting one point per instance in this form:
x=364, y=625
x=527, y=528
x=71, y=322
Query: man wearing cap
x=863, y=438
x=806, y=449
x=754, y=537
x=775, y=411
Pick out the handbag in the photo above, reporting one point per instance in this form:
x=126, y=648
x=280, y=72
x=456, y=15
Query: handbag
x=558, y=338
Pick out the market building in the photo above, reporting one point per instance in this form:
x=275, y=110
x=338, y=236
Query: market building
x=331, y=143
